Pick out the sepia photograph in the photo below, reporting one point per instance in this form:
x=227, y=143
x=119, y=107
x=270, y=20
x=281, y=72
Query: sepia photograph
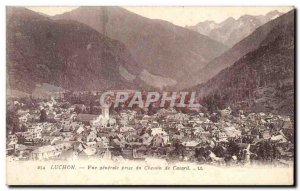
x=150, y=95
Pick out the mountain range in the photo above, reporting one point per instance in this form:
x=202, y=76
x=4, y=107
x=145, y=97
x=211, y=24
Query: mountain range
x=159, y=47
x=231, y=31
x=100, y=48
x=67, y=54
x=229, y=57
x=263, y=79
x=119, y=48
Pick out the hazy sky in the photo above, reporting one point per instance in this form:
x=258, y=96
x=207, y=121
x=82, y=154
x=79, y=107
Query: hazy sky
x=181, y=15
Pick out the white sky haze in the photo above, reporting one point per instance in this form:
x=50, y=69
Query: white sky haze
x=181, y=15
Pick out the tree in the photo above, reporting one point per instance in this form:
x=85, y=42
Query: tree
x=43, y=116
x=23, y=128
x=12, y=121
x=179, y=149
x=219, y=151
x=77, y=110
x=200, y=154
x=233, y=148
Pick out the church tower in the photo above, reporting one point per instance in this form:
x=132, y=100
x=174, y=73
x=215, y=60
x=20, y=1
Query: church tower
x=105, y=111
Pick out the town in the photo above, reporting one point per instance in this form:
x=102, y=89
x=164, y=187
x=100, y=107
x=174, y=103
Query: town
x=59, y=125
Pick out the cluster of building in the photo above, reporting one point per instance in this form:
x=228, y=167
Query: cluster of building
x=71, y=133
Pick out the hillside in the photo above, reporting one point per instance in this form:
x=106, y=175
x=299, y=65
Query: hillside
x=228, y=58
x=263, y=80
x=67, y=54
x=159, y=47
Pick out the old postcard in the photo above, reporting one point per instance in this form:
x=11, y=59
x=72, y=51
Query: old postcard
x=150, y=95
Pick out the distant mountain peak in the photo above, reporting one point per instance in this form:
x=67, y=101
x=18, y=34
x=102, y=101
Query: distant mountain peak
x=231, y=30
x=228, y=20
x=273, y=14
